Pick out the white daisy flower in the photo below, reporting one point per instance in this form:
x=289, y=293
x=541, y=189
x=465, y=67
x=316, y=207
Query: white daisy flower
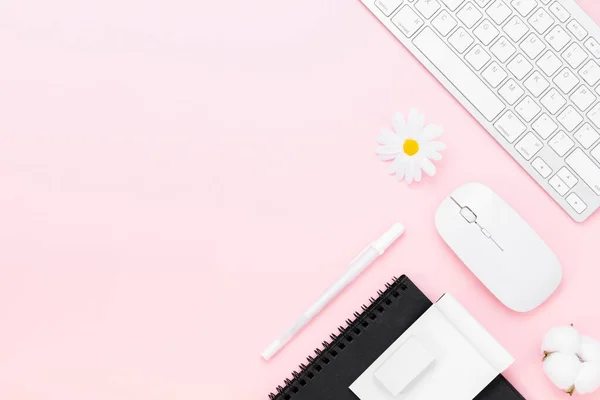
x=411, y=147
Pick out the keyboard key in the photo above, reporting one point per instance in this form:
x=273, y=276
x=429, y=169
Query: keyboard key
x=596, y=153
x=541, y=21
x=544, y=126
x=583, y=98
x=469, y=15
x=528, y=109
x=387, y=7
x=499, y=11
x=590, y=72
x=559, y=12
x=567, y=177
x=503, y=49
x=407, y=21
x=482, y=3
x=461, y=40
x=536, y=84
x=593, y=47
x=494, y=74
x=553, y=101
x=586, y=136
x=566, y=80
x=510, y=126
x=574, y=55
x=575, y=201
x=519, y=66
x=541, y=167
x=515, y=28
x=529, y=146
x=577, y=30
x=477, y=57
x=524, y=7
x=561, y=143
x=594, y=115
x=558, y=38
x=570, y=118
x=558, y=185
x=453, y=4
x=549, y=63
x=486, y=32
x=532, y=46
x=427, y=7
x=457, y=72
x=587, y=170
x=511, y=92
x=444, y=23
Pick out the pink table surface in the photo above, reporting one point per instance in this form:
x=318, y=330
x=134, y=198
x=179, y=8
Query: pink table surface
x=180, y=179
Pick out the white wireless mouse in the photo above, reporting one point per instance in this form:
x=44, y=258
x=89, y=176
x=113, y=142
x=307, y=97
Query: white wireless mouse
x=499, y=247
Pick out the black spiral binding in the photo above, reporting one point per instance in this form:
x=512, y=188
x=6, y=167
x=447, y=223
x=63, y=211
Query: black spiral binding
x=339, y=341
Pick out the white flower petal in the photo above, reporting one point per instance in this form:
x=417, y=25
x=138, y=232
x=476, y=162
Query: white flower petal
x=588, y=379
x=417, y=173
x=589, y=349
x=415, y=121
x=429, y=151
x=562, y=369
x=388, y=137
x=399, y=123
x=396, y=164
x=428, y=167
x=400, y=172
x=435, y=156
x=438, y=146
x=565, y=339
x=409, y=173
x=392, y=149
x=387, y=157
x=432, y=131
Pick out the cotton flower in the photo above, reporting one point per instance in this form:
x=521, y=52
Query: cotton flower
x=563, y=369
x=589, y=349
x=411, y=147
x=571, y=361
x=565, y=339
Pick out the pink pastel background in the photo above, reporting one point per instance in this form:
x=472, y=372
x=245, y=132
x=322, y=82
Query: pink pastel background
x=181, y=178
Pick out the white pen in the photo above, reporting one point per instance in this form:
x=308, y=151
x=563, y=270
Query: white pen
x=358, y=265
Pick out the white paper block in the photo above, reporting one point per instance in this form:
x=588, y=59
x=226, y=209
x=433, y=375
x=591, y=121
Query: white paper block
x=404, y=366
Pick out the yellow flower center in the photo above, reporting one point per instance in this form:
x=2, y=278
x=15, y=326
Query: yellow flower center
x=411, y=147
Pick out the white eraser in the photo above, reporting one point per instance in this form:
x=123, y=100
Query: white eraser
x=404, y=366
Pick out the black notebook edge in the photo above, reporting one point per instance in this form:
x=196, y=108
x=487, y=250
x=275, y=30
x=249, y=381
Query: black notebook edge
x=314, y=363
x=323, y=356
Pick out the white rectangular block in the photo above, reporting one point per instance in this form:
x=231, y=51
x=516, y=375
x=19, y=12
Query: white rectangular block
x=404, y=366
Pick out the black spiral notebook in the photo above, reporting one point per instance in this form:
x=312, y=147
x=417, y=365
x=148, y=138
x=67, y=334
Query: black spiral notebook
x=328, y=374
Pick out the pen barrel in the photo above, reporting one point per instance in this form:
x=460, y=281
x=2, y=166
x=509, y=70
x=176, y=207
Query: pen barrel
x=358, y=265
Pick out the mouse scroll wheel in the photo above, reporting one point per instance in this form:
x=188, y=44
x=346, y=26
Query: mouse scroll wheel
x=468, y=214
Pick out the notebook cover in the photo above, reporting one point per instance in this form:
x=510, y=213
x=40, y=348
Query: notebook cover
x=328, y=374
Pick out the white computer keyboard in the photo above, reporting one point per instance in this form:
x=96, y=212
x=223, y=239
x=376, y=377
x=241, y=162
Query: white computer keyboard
x=528, y=70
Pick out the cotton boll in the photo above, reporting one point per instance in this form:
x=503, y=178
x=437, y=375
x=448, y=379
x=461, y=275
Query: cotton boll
x=562, y=369
x=588, y=379
x=589, y=349
x=565, y=339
